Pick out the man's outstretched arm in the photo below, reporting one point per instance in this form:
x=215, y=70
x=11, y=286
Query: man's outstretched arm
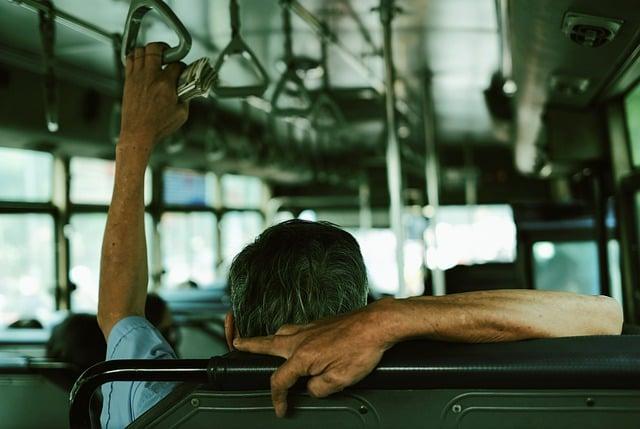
x=339, y=352
x=150, y=111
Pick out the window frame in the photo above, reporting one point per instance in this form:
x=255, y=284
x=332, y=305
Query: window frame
x=60, y=248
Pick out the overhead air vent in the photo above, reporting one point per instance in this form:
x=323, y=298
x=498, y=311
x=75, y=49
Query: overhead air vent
x=590, y=31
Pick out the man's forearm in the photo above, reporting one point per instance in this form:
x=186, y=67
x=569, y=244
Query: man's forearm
x=123, y=270
x=501, y=315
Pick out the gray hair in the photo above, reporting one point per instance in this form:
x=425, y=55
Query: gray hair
x=294, y=273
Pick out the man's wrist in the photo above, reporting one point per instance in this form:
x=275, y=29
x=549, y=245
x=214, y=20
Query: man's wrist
x=134, y=150
x=402, y=319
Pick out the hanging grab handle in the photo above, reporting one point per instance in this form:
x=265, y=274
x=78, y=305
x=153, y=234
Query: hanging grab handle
x=137, y=10
x=290, y=82
x=237, y=46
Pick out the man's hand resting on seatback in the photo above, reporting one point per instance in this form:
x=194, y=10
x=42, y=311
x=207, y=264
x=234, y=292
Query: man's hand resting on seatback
x=150, y=111
x=335, y=353
x=338, y=352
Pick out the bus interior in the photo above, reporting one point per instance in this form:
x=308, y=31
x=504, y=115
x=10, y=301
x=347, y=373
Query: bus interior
x=467, y=145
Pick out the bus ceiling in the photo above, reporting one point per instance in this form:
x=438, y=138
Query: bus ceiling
x=480, y=73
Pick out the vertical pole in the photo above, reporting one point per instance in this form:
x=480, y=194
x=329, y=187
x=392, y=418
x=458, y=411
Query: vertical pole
x=600, y=215
x=394, y=167
x=61, y=203
x=432, y=175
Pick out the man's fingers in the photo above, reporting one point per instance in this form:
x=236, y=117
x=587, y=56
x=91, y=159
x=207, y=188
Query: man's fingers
x=128, y=67
x=273, y=345
x=324, y=385
x=153, y=55
x=173, y=72
x=281, y=381
x=288, y=329
x=138, y=58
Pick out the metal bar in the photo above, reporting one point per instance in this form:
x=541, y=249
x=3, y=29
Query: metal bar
x=68, y=20
x=432, y=175
x=366, y=35
x=600, y=215
x=352, y=59
x=394, y=164
x=366, y=216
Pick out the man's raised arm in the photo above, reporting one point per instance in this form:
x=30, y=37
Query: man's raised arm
x=150, y=111
x=339, y=352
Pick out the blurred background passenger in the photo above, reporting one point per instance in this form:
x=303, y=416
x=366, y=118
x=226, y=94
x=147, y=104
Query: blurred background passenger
x=78, y=341
x=157, y=312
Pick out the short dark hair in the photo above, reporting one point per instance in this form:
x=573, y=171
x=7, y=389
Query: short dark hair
x=77, y=340
x=294, y=273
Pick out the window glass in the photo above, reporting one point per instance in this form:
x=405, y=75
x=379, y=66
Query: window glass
x=242, y=191
x=468, y=235
x=378, y=247
x=238, y=229
x=632, y=108
x=85, y=238
x=25, y=175
x=27, y=267
x=92, y=181
x=188, y=188
x=188, y=248
x=566, y=266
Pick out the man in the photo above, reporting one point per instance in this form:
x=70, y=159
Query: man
x=294, y=273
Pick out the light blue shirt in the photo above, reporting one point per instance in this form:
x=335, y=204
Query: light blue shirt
x=124, y=401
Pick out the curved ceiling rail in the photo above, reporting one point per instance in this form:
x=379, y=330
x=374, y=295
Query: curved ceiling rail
x=352, y=59
x=237, y=46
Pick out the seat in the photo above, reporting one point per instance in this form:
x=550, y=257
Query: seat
x=29, y=396
x=582, y=382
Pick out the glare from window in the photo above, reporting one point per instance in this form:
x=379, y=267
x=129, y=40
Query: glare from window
x=282, y=217
x=92, y=181
x=238, y=229
x=189, y=188
x=378, y=247
x=632, y=108
x=85, y=233
x=27, y=267
x=188, y=249
x=468, y=235
x=25, y=175
x=242, y=191
x=309, y=215
x=566, y=266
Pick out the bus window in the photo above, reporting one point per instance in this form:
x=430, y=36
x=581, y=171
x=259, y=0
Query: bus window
x=237, y=229
x=85, y=239
x=27, y=274
x=242, y=192
x=92, y=181
x=184, y=187
x=188, y=243
x=566, y=266
x=25, y=175
x=632, y=108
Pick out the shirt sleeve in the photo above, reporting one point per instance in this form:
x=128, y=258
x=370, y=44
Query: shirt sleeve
x=133, y=338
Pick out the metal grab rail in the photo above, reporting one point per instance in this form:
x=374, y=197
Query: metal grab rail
x=185, y=370
x=137, y=11
x=237, y=46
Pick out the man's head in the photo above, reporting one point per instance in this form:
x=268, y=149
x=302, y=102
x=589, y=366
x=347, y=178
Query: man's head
x=294, y=273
